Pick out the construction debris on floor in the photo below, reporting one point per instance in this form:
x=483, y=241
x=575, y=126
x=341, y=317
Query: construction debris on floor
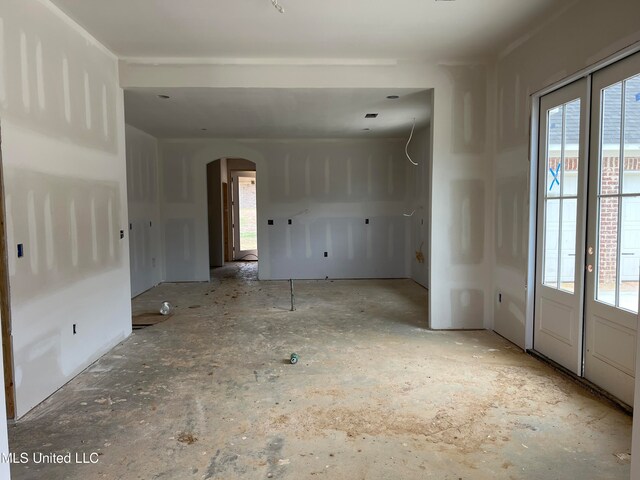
x=210, y=394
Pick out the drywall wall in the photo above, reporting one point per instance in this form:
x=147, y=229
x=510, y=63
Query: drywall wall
x=570, y=41
x=462, y=150
x=145, y=242
x=419, y=206
x=460, y=201
x=63, y=148
x=328, y=189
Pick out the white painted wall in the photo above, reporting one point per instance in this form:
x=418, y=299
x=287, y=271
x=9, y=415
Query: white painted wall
x=145, y=226
x=327, y=189
x=63, y=148
x=572, y=40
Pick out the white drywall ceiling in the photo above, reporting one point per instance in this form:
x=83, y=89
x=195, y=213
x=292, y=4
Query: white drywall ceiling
x=276, y=113
x=356, y=29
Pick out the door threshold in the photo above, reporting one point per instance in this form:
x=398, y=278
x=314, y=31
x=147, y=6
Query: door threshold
x=584, y=383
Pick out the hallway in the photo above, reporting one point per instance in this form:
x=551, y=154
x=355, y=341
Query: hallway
x=209, y=394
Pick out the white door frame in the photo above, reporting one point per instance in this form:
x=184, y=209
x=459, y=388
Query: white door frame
x=237, y=253
x=560, y=336
x=533, y=176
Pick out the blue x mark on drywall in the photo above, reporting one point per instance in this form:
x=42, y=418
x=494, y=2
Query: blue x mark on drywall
x=555, y=174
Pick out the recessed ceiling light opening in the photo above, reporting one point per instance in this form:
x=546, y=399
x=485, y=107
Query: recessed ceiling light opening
x=371, y=115
x=393, y=97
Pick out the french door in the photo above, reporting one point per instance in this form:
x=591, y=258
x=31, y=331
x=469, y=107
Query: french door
x=613, y=256
x=561, y=226
x=588, y=242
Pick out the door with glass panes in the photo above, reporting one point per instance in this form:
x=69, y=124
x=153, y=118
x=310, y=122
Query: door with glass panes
x=588, y=240
x=561, y=226
x=613, y=241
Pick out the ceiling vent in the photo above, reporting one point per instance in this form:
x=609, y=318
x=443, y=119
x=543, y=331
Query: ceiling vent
x=371, y=115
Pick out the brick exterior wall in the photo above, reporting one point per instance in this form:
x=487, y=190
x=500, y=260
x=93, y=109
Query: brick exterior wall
x=608, y=240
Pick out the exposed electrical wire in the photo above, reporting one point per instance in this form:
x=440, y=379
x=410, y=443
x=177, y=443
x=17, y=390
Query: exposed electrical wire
x=420, y=207
x=277, y=6
x=420, y=254
x=406, y=148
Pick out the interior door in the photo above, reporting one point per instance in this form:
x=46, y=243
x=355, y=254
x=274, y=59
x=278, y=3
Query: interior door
x=245, y=222
x=613, y=248
x=561, y=232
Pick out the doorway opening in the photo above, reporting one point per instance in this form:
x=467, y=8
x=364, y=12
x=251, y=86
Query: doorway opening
x=232, y=211
x=245, y=215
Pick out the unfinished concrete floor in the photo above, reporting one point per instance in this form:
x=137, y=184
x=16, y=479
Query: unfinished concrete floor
x=209, y=394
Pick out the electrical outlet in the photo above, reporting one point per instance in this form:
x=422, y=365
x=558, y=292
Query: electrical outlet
x=290, y=222
x=121, y=234
x=269, y=222
x=74, y=329
x=366, y=221
x=20, y=250
x=326, y=254
x=500, y=297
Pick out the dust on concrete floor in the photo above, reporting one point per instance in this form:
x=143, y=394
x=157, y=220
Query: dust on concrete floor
x=209, y=394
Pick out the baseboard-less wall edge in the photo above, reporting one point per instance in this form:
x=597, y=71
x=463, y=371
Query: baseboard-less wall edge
x=145, y=291
x=72, y=377
x=584, y=383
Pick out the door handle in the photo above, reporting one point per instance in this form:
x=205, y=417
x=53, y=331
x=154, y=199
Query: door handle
x=590, y=268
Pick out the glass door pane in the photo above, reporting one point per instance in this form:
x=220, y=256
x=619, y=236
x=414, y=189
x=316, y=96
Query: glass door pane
x=619, y=198
x=561, y=196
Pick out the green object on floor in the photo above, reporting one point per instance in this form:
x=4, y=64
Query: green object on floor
x=294, y=358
